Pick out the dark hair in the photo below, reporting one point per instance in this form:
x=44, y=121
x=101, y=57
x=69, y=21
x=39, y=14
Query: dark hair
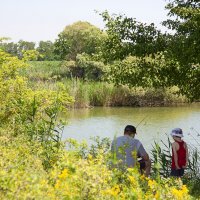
x=130, y=128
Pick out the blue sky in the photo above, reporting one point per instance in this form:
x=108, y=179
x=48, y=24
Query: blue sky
x=35, y=20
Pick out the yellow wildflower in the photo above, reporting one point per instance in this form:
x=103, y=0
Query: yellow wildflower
x=90, y=157
x=114, y=191
x=64, y=174
x=142, y=177
x=132, y=180
x=178, y=194
x=157, y=195
x=184, y=189
x=57, y=185
x=43, y=182
x=152, y=183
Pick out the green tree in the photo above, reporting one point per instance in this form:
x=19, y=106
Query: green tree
x=16, y=49
x=80, y=37
x=184, y=46
x=126, y=37
x=46, y=49
x=185, y=21
x=147, y=72
x=24, y=46
x=10, y=47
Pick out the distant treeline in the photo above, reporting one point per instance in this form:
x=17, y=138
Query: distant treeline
x=45, y=48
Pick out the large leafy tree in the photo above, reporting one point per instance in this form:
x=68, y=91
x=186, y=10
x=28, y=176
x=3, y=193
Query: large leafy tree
x=80, y=37
x=185, y=44
x=185, y=22
x=126, y=37
x=46, y=49
x=181, y=50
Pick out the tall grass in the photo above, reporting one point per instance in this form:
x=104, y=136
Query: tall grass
x=45, y=70
x=89, y=94
x=92, y=93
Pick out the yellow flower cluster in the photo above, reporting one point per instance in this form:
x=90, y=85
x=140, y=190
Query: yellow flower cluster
x=180, y=194
x=77, y=178
x=114, y=191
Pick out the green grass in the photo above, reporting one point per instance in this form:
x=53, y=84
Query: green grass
x=44, y=70
x=45, y=74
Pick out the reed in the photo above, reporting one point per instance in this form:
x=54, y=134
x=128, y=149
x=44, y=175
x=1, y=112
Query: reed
x=89, y=94
x=46, y=74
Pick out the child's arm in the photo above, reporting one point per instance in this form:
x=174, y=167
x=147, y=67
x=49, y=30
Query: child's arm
x=174, y=148
x=187, y=155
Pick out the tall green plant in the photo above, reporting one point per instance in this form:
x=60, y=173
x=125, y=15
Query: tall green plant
x=28, y=112
x=162, y=159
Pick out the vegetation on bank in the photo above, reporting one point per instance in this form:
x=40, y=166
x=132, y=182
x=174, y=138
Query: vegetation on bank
x=133, y=61
x=88, y=93
x=34, y=163
x=74, y=177
x=128, y=52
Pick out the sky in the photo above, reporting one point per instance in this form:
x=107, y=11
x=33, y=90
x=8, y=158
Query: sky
x=36, y=20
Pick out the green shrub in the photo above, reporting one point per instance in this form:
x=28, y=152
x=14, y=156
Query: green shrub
x=73, y=176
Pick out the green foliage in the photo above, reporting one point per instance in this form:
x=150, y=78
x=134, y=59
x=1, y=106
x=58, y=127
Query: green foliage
x=24, y=46
x=185, y=20
x=10, y=47
x=45, y=71
x=30, y=55
x=21, y=169
x=162, y=159
x=28, y=112
x=80, y=37
x=82, y=68
x=184, y=45
x=180, y=65
x=17, y=49
x=128, y=37
x=91, y=70
x=149, y=71
x=99, y=145
x=73, y=177
x=46, y=49
x=87, y=94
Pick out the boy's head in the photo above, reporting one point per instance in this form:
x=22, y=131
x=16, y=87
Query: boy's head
x=177, y=132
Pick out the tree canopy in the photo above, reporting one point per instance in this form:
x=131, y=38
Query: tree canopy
x=46, y=49
x=148, y=58
x=126, y=37
x=185, y=22
x=80, y=37
x=184, y=46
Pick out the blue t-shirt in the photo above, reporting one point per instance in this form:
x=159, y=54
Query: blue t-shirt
x=127, y=149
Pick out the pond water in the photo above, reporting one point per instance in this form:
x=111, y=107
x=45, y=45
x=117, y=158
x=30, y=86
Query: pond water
x=153, y=123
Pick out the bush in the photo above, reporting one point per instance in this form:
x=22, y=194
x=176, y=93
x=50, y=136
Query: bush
x=92, y=70
x=75, y=177
x=28, y=112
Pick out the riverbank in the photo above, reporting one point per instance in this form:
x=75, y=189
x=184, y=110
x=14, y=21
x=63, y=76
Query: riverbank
x=91, y=94
x=88, y=94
